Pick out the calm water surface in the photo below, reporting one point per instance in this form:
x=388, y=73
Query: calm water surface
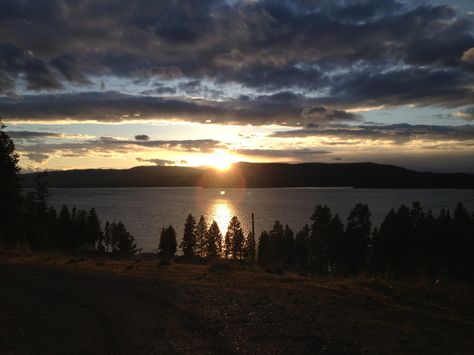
x=146, y=210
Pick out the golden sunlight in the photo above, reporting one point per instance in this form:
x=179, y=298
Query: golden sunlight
x=221, y=160
x=221, y=211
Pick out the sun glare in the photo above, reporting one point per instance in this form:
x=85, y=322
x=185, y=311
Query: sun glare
x=221, y=160
x=222, y=212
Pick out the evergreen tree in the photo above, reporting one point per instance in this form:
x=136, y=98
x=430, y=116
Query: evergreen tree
x=288, y=242
x=335, y=244
x=108, y=242
x=420, y=238
x=53, y=227
x=234, y=240
x=168, y=244
x=42, y=190
x=301, y=248
x=432, y=246
x=320, y=235
x=201, y=237
x=79, y=228
x=214, y=242
x=462, y=243
x=444, y=233
x=396, y=238
x=276, y=243
x=264, y=249
x=11, y=219
x=125, y=242
x=93, y=229
x=357, y=238
x=41, y=237
x=249, y=249
x=64, y=228
x=384, y=258
x=188, y=244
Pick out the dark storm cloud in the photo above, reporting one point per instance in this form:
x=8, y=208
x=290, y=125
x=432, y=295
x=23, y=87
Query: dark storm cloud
x=442, y=87
x=283, y=108
x=16, y=62
x=396, y=133
x=68, y=66
x=351, y=53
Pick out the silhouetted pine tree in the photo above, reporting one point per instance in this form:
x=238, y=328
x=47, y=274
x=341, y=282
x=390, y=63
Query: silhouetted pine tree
x=188, y=244
x=320, y=234
x=406, y=241
x=125, y=242
x=108, y=242
x=250, y=248
x=462, y=244
x=420, y=238
x=335, y=245
x=396, y=238
x=41, y=190
x=167, y=247
x=276, y=243
x=301, y=248
x=201, y=237
x=214, y=242
x=93, y=229
x=64, y=228
x=53, y=227
x=31, y=221
x=234, y=240
x=79, y=229
x=357, y=238
x=11, y=217
x=264, y=249
x=288, y=247
x=444, y=230
x=384, y=240
x=432, y=262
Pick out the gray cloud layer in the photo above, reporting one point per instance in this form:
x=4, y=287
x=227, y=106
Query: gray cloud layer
x=345, y=53
x=397, y=133
x=284, y=107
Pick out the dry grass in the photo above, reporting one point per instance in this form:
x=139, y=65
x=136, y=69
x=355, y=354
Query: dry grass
x=307, y=314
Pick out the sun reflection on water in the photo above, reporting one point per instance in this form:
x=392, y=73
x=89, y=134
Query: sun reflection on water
x=221, y=211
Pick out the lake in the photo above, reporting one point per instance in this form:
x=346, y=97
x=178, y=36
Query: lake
x=145, y=211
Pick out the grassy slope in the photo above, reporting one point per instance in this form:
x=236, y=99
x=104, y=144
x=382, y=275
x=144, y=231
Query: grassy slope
x=259, y=312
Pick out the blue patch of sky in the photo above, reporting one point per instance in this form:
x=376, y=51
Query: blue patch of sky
x=415, y=115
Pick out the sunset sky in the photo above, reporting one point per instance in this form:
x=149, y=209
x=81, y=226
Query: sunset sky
x=121, y=83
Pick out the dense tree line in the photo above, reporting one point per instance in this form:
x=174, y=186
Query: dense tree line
x=26, y=221
x=409, y=242
x=203, y=241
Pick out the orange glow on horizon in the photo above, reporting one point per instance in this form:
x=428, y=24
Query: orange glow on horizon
x=221, y=160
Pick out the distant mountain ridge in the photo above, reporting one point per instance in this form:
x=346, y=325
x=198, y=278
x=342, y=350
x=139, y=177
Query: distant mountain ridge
x=357, y=175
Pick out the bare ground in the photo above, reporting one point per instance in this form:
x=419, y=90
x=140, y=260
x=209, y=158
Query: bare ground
x=52, y=304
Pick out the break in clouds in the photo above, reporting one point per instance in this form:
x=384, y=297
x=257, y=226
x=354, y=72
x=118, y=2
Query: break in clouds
x=298, y=63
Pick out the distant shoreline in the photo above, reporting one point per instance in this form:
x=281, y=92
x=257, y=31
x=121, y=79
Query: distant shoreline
x=259, y=175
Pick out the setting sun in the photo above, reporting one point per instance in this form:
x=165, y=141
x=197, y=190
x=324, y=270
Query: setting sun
x=221, y=160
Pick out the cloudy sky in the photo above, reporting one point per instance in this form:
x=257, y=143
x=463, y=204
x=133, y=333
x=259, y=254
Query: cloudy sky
x=120, y=83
